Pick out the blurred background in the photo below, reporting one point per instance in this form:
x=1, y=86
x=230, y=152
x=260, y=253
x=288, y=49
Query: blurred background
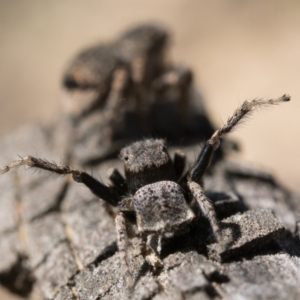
x=237, y=49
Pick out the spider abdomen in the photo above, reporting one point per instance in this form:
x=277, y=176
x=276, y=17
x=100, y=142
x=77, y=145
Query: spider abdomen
x=161, y=207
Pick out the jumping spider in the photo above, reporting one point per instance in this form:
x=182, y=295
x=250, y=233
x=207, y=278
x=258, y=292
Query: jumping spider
x=155, y=191
x=122, y=89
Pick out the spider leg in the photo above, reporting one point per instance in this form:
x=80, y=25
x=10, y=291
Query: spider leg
x=213, y=143
x=117, y=180
x=100, y=190
x=122, y=241
x=206, y=208
x=179, y=162
x=116, y=97
x=180, y=79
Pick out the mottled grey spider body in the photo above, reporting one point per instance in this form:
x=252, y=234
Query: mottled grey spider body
x=161, y=208
x=155, y=191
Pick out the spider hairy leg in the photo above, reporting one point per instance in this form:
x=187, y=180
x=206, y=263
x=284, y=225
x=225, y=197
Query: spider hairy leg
x=96, y=187
x=207, y=209
x=33, y=162
x=179, y=162
x=117, y=179
x=243, y=111
x=122, y=241
x=237, y=118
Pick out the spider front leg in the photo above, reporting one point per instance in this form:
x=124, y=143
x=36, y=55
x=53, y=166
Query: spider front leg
x=213, y=143
x=100, y=190
x=196, y=173
x=118, y=180
x=122, y=241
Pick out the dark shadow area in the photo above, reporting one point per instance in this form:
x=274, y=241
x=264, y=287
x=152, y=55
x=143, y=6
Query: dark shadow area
x=235, y=233
x=212, y=292
x=270, y=248
x=225, y=204
x=106, y=253
x=56, y=207
x=19, y=279
x=193, y=237
x=142, y=272
x=290, y=244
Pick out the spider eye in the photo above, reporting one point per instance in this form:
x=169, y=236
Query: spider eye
x=126, y=157
x=164, y=149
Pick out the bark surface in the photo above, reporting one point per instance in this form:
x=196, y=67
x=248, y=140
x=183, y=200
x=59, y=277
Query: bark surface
x=58, y=241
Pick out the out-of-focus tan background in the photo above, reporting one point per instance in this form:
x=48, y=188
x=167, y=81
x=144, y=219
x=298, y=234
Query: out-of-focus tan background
x=237, y=49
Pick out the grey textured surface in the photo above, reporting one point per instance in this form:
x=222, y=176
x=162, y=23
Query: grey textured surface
x=247, y=231
x=72, y=252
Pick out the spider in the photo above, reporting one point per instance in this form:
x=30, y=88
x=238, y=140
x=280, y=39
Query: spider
x=121, y=89
x=155, y=190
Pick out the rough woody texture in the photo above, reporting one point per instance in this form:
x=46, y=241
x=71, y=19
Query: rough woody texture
x=58, y=241
x=243, y=232
x=70, y=250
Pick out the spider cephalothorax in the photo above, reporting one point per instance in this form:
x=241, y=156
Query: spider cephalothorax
x=154, y=188
x=146, y=162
